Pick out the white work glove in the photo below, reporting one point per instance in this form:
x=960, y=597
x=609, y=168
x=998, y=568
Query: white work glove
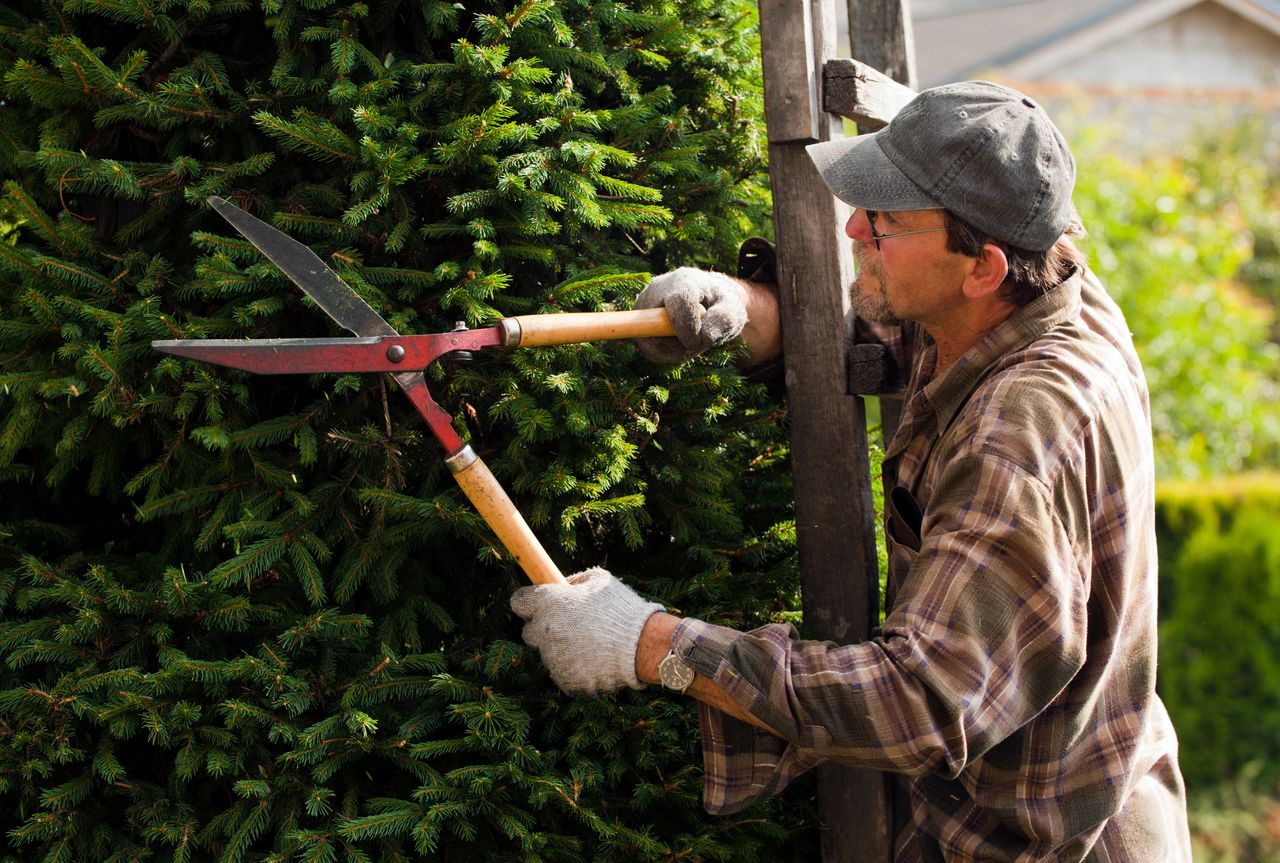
x=707, y=310
x=586, y=631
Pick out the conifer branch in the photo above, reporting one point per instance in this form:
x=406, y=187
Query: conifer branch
x=269, y=588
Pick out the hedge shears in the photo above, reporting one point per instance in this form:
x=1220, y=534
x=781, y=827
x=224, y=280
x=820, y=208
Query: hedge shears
x=377, y=347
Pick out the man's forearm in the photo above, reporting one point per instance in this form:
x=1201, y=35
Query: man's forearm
x=763, y=332
x=655, y=643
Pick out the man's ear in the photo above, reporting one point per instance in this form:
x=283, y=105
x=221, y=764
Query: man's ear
x=987, y=273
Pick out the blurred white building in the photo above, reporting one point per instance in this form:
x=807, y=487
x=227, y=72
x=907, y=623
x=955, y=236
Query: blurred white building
x=1159, y=66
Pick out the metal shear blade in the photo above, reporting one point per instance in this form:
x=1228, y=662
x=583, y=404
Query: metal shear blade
x=379, y=348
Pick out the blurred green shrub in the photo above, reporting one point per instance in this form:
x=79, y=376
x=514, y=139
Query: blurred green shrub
x=1187, y=507
x=1243, y=162
x=1186, y=243
x=1236, y=822
x=1219, y=639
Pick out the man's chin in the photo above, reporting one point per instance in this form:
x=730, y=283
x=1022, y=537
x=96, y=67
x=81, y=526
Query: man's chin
x=879, y=316
x=873, y=308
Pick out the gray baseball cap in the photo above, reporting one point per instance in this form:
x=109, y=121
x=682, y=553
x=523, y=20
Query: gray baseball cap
x=986, y=153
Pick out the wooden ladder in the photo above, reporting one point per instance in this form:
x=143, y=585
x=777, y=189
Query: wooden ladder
x=807, y=90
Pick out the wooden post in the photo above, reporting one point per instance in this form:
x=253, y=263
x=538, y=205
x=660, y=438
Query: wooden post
x=882, y=80
x=880, y=33
x=829, y=461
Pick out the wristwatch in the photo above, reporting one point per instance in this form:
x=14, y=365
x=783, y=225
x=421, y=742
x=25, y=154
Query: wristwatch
x=674, y=672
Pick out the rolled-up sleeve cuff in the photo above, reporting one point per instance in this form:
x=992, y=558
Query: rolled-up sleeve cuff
x=741, y=764
x=703, y=645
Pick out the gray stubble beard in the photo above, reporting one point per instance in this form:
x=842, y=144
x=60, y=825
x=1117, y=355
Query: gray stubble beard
x=870, y=305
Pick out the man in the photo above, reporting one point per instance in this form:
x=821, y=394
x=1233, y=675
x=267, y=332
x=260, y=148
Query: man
x=1012, y=683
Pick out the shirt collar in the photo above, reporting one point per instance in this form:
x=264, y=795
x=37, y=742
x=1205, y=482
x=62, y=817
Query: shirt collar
x=944, y=395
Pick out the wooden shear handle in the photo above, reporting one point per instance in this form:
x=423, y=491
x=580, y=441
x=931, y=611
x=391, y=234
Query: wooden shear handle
x=490, y=499
x=473, y=475
x=531, y=331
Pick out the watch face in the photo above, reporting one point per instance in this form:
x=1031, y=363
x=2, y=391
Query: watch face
x=675, y=673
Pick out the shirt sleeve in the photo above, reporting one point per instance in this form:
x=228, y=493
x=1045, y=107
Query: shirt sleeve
x=988, y=628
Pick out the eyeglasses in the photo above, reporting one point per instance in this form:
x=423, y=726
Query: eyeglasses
x=876, y=238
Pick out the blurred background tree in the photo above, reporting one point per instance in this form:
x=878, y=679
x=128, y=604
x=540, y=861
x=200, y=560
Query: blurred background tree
x=1188, y=242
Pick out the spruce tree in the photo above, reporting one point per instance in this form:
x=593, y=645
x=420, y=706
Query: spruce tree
x=252, y=618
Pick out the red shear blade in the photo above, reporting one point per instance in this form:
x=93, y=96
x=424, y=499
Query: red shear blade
x=306, y=270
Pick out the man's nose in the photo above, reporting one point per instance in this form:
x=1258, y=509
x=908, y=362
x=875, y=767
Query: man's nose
x=858, y=228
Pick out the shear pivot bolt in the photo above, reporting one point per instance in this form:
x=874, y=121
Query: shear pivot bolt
x=395, y=353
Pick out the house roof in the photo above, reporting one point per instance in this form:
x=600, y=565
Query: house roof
x=957, y=39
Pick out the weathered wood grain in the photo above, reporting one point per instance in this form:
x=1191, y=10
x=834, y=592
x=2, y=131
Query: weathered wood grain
x=855, y=90
x=829, y=460
x=791, y=84
x=880, y=33
x=831, y=471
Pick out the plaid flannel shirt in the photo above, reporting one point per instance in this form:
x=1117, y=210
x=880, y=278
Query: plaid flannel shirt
x=1012, y=684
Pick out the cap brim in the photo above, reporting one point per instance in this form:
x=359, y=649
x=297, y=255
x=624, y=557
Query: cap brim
x=859, y=173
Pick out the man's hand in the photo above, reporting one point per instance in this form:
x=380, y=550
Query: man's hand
x=707, y=310
x=586, y=630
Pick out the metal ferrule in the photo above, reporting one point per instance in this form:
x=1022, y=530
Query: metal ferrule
x=510, y=332
x=462, y=459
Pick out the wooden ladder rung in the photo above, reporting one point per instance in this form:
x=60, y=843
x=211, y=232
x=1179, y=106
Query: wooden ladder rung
x=855, y=90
